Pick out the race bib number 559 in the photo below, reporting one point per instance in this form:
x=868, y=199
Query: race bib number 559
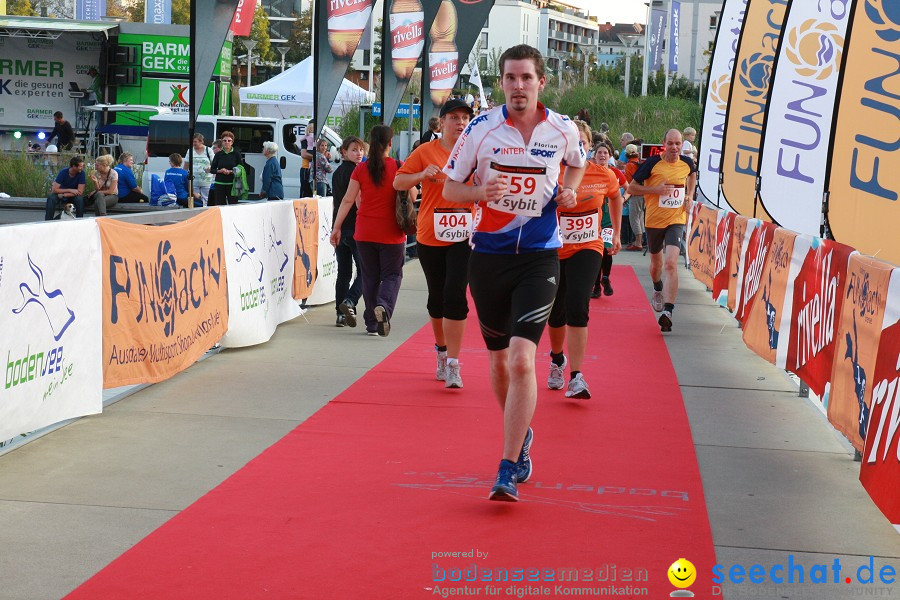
x=525, y=185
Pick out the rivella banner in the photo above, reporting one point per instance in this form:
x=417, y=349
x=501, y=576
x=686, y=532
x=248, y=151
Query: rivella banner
x=456, y=28
x=864, y=182
x=880, y=470
x=766, y=326
x=702, y=244
x=165, y=300
x=759, y=237
x=341, y=23
x=799, y=115
x=721, y=270
x=862, y=317
x=50, y=323
x=715, y=107
x=750, y=84
x=736, y=251
x=306, y=247
x=259, y=252
x=818, y=297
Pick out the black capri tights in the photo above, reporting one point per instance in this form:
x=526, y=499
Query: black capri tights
x=577, y=275
x=446, y=273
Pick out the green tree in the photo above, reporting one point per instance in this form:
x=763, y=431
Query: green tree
x=299, y=43
x=21, y=8
x=181, y=12
x=259, y=32
x=135, y=11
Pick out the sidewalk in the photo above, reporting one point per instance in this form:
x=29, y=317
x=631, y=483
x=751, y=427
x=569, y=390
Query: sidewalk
x=778, y=480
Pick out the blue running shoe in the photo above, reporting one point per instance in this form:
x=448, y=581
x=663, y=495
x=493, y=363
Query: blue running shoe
x=505, y=488
x=523, y=465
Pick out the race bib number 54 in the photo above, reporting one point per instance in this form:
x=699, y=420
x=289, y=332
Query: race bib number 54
x=674, y=199
x=525, y=185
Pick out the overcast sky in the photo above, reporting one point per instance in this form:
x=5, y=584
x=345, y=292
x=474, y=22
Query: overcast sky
x=614, y=11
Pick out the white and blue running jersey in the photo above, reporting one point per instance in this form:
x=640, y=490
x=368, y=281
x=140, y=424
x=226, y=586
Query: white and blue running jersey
x=525, y=219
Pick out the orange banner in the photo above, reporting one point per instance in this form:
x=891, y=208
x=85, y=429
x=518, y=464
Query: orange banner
x=735, y=260
x=764, y=326
x=759, y=238
x=306, y=213
x=724, y=239
x=862, y=316
x=702, y=244
x=164, y=297
x=864, y=184
x=750, y=84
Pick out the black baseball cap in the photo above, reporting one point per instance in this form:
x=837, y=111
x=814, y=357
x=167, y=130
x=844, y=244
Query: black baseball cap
x=456, y=104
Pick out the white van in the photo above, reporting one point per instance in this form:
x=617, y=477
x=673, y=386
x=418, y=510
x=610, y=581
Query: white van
x=169, y=134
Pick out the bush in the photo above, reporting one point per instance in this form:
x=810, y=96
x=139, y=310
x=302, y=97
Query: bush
x=25, y=175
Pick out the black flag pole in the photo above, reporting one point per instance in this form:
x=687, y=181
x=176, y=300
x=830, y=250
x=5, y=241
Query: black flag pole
x=192, y=103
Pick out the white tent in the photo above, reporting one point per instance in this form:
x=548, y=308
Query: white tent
x=290, y=94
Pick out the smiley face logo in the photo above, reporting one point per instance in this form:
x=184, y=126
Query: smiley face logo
x=682, y=573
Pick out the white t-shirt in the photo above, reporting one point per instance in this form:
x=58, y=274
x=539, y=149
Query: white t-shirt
x=201, y=161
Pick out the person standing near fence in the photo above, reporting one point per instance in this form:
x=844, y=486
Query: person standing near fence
x=200, y=156
x=443, y=229
x=222, y=166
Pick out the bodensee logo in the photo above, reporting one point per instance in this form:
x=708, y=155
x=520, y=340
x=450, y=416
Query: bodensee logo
x=886, y=14
x=756, y=73
x=718, y=91
x=815, y=49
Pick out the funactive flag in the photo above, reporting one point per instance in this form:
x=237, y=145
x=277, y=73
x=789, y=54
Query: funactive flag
x=864, y=182
x=716, y=106
x=801, y=104
x=750, y=83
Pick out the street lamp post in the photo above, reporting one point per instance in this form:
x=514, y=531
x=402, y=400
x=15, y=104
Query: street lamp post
x=249, y=45
x=284, y=50
x=629, y=40
x=647, y=32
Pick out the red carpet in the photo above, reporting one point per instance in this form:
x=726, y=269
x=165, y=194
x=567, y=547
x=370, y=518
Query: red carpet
x=357, y=501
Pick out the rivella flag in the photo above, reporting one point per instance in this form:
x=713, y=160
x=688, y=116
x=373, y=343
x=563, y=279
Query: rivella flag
x=165, y=300
x=864, y=183
x=715, y=108
x=880, y=469
x=341, y=23
x=724, y=242
x=306, y=247
x=750, y=83
x=757, y=242
x=216, y=16
x=449, y=47
x=736, y=261
x=50, y=323
x=407, y=21
x=861, y=320
x=801, y=106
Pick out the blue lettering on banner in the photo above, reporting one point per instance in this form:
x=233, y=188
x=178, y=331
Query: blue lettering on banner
x=543, y=153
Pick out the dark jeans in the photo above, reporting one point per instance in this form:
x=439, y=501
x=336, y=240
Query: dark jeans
x=347, y=254
x=381, y=270
x=53, y=200
x=134, y=196
x=321, y=188
x=220, y=196
x=305, y=187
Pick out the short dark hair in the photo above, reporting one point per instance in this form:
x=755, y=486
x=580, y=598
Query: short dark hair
x=58, y=114
x=522, y=52
x=76, y=160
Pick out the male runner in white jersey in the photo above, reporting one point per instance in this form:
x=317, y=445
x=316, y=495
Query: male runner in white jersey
x=513, y=154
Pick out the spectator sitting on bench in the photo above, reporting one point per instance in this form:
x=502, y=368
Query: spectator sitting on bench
x=68, y=187
x=129, y=190
x=178, y=177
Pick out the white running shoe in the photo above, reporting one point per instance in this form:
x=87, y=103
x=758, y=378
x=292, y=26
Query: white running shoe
x=557, y=380
x=453, y=378
x=578, y=388
x=441, y=372
x=657, y=301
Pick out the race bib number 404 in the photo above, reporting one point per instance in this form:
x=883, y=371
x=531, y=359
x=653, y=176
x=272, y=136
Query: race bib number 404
x=674, y=198
x=578, y=228
x=452, y=224
x=525, y=185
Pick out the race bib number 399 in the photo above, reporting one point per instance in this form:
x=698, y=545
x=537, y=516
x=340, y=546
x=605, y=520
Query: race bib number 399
x=525, y=190
x=578, y=228
x=452, y=224
x=674, y=199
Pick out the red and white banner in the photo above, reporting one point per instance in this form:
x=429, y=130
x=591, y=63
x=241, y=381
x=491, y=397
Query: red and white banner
x=724, y=242
x=862, y=316
x=736, y=261
x=880, y=471
x=818, y=295
x=768, y=320
x=243, y=18
x=758, y=239
x=702, y=244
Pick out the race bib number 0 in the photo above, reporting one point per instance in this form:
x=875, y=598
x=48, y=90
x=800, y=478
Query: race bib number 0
x=674, y=199
x=452, y=224
x=579, y=228
x=525, y=190
x=607, y=235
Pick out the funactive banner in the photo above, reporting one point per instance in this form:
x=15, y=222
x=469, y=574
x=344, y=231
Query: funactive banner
x=862, y=316
x=306, y=247
x=702, y=244
x=818, y=296
x=767, y=323
x=165, y=300
x=750, y=83
x=864, y=182
x=880, y=469
x=717, y=91
x=724, y=241
x=798, y=120
x=757, y=240
x=49, y=296
x=259, y=249
x=738, y=246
